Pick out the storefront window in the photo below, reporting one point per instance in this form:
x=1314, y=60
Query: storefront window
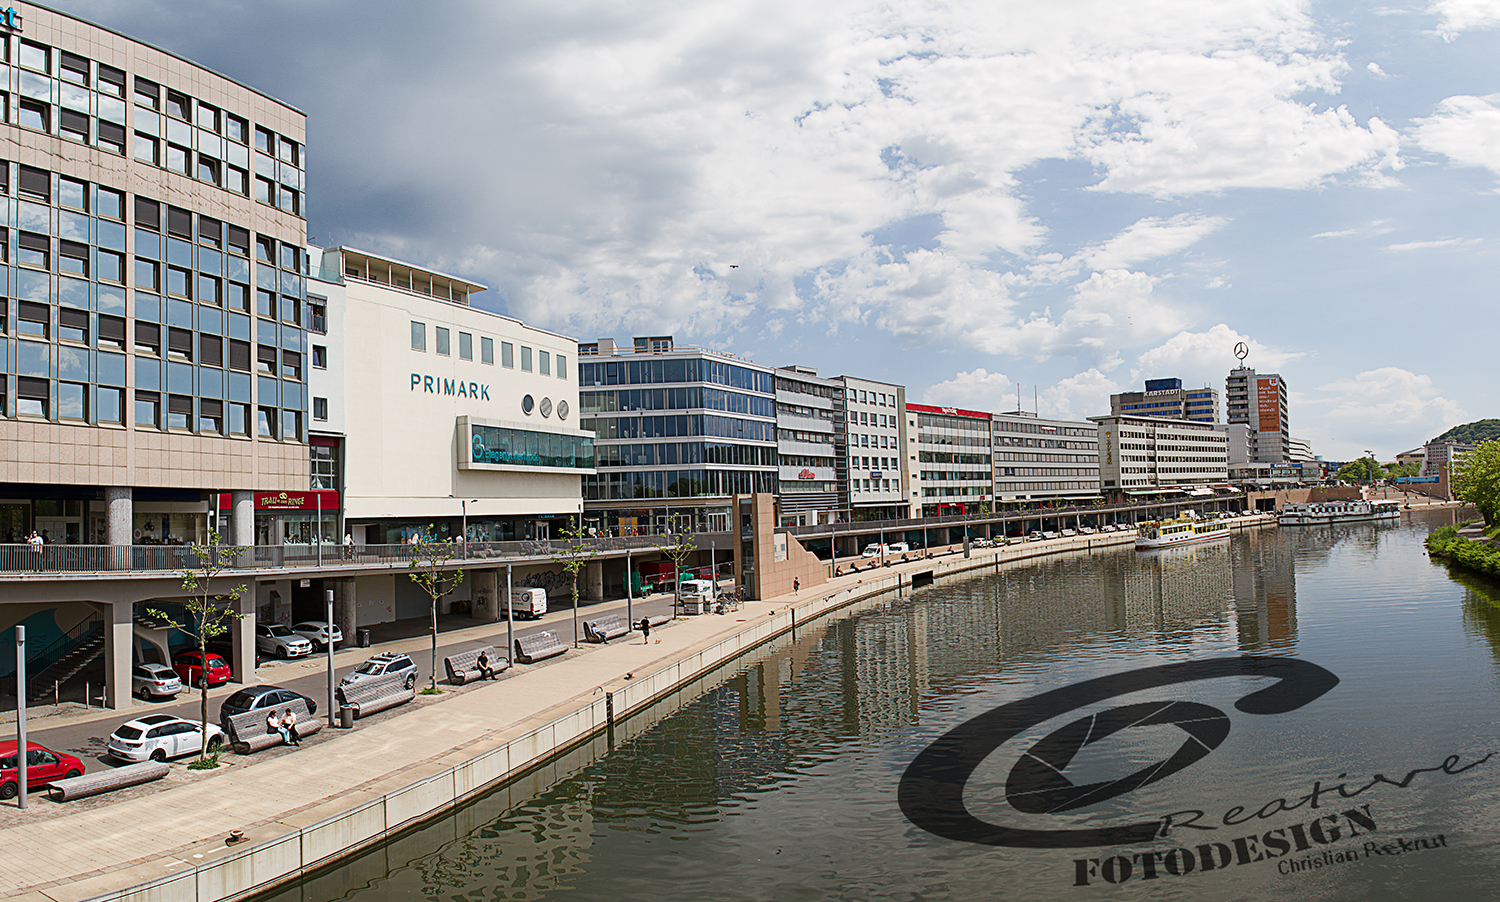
x=174, y=528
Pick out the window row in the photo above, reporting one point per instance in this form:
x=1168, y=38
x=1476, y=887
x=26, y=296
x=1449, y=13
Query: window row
x=545, y=362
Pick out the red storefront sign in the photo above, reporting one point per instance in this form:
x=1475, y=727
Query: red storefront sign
x=307, y=500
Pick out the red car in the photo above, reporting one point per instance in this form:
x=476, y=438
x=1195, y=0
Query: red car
x=190, y=669
x=43, y=767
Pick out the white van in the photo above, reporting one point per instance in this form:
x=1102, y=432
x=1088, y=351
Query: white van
x=528, y=604
x=697, y=595
x=887, y=550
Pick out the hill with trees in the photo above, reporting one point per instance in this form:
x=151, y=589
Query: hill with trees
x=1472, y=433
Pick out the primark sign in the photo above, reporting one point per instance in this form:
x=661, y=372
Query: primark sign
x=437, y=385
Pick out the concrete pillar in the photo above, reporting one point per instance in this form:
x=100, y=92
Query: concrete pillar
x=244, y=519
x=486, y=592
x=119, y=623
x=119, y=507
x=242, y=638
x=593, y=581
x=343, y=607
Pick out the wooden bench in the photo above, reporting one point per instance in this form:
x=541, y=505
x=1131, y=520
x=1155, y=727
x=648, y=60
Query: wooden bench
x=248, y=732
x=538, y=646
x=464, y=666
x=605, y=628
x=71, y=788
x=372, y=694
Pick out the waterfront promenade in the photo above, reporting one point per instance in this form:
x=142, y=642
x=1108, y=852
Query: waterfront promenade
x=307, y=807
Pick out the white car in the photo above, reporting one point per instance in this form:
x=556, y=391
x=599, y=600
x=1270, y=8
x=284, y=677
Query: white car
x=150, y=681
x=157, y=737
x=276, y=639
x=316, y=632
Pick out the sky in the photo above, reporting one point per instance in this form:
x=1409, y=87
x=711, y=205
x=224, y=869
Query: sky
x=980, y=200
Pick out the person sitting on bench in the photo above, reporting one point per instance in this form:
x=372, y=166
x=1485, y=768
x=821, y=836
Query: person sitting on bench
x=486, y=672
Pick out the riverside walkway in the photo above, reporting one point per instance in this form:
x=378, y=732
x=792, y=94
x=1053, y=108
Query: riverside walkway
x=309, y=807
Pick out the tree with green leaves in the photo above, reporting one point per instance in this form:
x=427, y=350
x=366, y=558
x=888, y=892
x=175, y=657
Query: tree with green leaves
x=207, y=615
x=578, y=548
x=676, y=545
x=1358, y=471
x=428, y=569
x=1476, y=479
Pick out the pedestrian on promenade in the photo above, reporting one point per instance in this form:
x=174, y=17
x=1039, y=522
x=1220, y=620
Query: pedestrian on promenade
x=348, y=546
x=289, y=721
x=486, y=672
x=796, y=585
x=645, y=630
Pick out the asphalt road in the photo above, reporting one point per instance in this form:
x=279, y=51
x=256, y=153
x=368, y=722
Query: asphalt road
x=308, y=676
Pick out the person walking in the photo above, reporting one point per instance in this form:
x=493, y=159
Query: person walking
x=348, y=546
x=796, y=585
x=645, y=630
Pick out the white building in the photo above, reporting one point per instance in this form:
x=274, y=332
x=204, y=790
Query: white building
x=1439, y=456
x=1039, y=459
x=873, y=471
x=434, y=411
x=951, y=461
x=806, y=445
x=1147, y=455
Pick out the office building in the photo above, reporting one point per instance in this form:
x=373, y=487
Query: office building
x=1038, y=459
x=952, y=473
x=1298, y=450
x=1438, y=457
x=1167, y=398
x=872, y=469
x=806, y=446
x=403, y=371
x=677, y=433
x=1150, y=456
x=1259, y=400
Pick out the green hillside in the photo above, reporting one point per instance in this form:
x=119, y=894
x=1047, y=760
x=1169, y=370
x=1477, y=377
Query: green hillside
x=1472, y=433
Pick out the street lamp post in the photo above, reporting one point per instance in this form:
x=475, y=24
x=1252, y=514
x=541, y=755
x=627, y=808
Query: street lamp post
x=328, y=646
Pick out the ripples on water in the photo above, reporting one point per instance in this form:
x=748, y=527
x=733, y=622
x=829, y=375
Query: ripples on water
x=779, y=782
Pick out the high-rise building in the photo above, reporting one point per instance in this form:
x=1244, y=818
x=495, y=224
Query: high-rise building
x=1167, y=398
x=806, y=445
x=1259, y=400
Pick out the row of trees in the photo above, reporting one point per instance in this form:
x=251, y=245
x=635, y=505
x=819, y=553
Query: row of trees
x=1476, y=479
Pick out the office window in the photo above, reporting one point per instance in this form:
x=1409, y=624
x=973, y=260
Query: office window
x=237, y=296
x=265, y=190
x=210, y=350
x=291, y=365
x=111, y=81
x=238, y=240
x=486, y=350
x=208, y=169
x=72, y=401
x=111, y=405
x=441, y=334
x=239, y=419
x=73, y=125
x=111, y=137
x=36, y=183
x=210, y=231
x=543, y=363
x=209, y=291
x=147, y=93
x=73, y=258
x=147, y=149
x=320, y=408
x=72, y=193
x=147, y=407
x=147, y=338
x=418, y=336
x=235, y=128
x=179, y=282
x=236, y=180
x=211, y=416
x=147, y=214
x=507, y=354
x=291, y=310
x=177, y=158
x=239, y=355
x=265, y=303
x=562, y=367
x=35, y=56
x=317, y=318
x=148, y=275
x=525, y=359
x=111, y=332
x=34, y=250
x=111, y=267
x=33, y=319
x=265, y=422
x=265, y=140
x=180, y=344
x=73, y=325
x=73, y=68
x=208, y=117
x=291, y=425
x=265, y=248
x=265, y=360
x=33, y=397
x=178, y=105
x=465, y=346
x=179, y=412
x=319, y=357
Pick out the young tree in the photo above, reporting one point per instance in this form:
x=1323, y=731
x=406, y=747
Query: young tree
x=578, y=549
x=1476, y=479
x=428, y=570
x=676, y=546
x=208, y=614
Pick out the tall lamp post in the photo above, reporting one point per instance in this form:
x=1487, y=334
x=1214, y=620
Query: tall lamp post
x=463, y=504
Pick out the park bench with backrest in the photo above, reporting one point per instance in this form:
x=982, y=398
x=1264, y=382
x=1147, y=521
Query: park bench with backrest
x=538, y=646
x=464, y=666
x=605, y=628
x=71, y=788
x=372, y=694
x=249, y=732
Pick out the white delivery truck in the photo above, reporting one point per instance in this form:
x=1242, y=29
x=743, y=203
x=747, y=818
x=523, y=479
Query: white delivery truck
x=528, y=604
x=697, y=596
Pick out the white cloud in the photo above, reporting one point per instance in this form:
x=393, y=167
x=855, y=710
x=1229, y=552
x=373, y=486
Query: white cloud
x=976, y=390
x=1429, y=245
x=1378, y=227
x=1465, y=129
x=1205, y=358
x=1374, y=69
x=1383, y=408
x=1076, y=397
x=1151, y=238
x=1457, y=16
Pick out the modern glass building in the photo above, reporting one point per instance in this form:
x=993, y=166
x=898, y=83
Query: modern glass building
x=1167, y=398
x=153, y=289
x=677, y=433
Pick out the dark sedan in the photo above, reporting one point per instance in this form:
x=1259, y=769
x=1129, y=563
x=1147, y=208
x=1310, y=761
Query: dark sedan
x=254, y=698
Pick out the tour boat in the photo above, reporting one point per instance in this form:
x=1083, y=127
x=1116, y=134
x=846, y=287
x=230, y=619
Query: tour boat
x=1183, y=529
x=1319, y=513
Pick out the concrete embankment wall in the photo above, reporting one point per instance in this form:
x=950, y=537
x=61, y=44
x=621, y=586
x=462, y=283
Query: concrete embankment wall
x=533, y=755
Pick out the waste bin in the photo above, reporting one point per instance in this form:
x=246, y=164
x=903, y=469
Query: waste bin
x=346, y=717
x=363, y=637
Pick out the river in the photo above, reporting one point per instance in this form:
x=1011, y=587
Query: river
x=1203, y=724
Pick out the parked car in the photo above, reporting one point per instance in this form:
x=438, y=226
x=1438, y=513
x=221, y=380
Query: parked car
x=316, y=632
x=157, y=737
x=381, y=665
x=43, y=767
x=252, y=697
x=190, y=669
x=150, y=681
x=276, y=639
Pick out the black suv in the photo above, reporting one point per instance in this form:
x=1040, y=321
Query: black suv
x=254, y=697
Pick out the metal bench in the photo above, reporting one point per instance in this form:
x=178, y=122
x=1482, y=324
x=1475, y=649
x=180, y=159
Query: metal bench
x=464, y=666
x=603, y=629
x=249, y=732
x=71, y=788
x=537, y=646
x=372, y=694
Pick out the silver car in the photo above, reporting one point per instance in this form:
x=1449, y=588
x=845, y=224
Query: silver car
x=276, y=639
x=316, y=632
x=150, y=681
x=383, y=664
